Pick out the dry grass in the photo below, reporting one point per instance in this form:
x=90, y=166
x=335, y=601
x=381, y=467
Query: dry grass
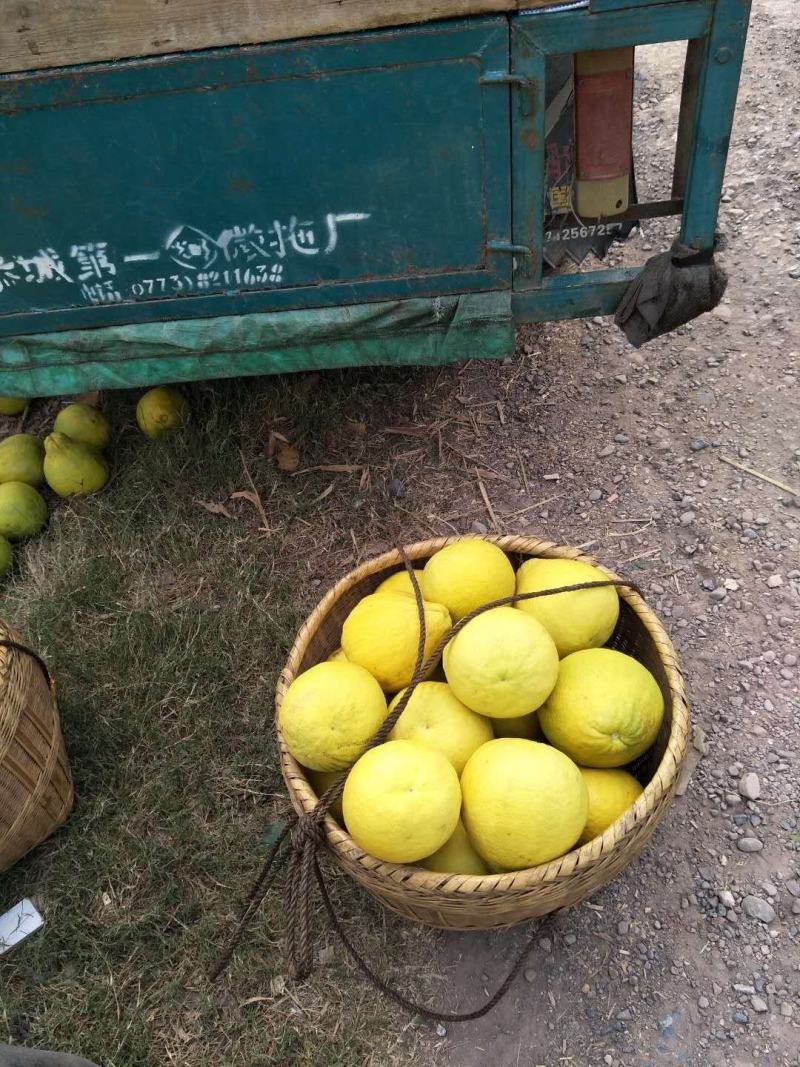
x=165, y=625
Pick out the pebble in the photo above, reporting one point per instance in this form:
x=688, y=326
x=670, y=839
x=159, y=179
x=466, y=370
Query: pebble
x=749, y=844
x=793, y=888
x=770, y=889
x=787, y=1011
x=703, y=1002
x=595, y=495
x=607, y=451
x=774, y=581
x=741, y=987
x=726, y=898
x=698, y=445
x=530, y=974
x=757, y=908
x=750, y=786
x=570, y=939
x=759, y=1004
x=687, y=518
x=479, y=527
x=796, y=907
x=740, y=1017
x=623, y=928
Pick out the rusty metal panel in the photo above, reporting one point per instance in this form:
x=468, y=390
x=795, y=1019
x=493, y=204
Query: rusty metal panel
x=337, y=171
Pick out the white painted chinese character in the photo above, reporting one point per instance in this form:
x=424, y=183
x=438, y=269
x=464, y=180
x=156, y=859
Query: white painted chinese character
x=301, y=237
x=45, y=266
x=332, y=222
x=102, y=292
x=191, y=248
x=277, y=244
x=93, y=261
x=8, y=275
x=243, y=242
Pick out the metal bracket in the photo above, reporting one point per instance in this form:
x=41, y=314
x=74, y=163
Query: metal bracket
x=505, y=77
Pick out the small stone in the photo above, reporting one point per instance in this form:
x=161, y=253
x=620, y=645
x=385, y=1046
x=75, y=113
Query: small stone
x=623, y=928
x=570, y=939
x=774, y=581
x=703, y=1002
x=698, y=445
x=749, y=844
x=796, y=907
x=759, y=1004
x=687, y=518
x=744, y=988
x=604, y=453
x=757, y=908
x=770, y=889
x=441, y=1031
x=595, y=495
x=545, y=944
x=530, y=974
x=793, y=888
x=750, y=786
x=787, y=1011
x=479, y=527
x=625, y=1015
x=726, y=898
x=740, y=1017
x=718, y=594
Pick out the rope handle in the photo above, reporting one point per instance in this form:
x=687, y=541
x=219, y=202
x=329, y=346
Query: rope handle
x=306, y=835
x=17, y=647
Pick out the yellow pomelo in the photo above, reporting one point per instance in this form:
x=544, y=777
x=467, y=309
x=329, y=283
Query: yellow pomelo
x=23, y=511
x=321, y=782
x=456, y=856
x=330, y=713
x=162, y=411
x=381, y=633
x=13, y=405
x=605, y=710
x=22, y=459
x=523, y=726
x=6, y=556
x=524, y=803
x=73, y=468
x=338, y=656
x=401, y=801
x=502, y=664
x=435, y=717
x=467, y=574
x=399, y=583
x=83, y=423
x=583, y=619
x=611, y=793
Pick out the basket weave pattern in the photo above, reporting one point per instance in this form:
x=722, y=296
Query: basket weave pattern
x=465, y=902
x=35, y=785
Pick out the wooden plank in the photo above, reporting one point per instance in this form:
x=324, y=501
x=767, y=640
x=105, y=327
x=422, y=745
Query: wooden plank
x=49, y=33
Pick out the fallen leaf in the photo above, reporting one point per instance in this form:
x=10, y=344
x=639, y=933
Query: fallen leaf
x=91, y=398
x=214, y=509
x=277, y=985
x=288, y=459
x=275, y=442
x=364, y=481
x=360, y=428
x=245, y=494
x=323, y=494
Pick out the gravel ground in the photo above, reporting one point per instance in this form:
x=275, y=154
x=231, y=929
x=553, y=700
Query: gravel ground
x=693, y=955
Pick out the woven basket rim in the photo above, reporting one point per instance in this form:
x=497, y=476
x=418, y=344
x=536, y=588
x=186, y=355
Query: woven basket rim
x=578, y=859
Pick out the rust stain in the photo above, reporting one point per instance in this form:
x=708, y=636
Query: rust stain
x=529, y=139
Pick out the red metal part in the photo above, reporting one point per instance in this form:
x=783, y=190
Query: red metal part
x=604, y=121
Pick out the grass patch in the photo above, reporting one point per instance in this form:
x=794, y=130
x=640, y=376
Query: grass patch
x=165, y=627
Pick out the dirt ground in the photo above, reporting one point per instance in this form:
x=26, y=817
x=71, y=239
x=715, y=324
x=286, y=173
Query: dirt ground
x=692, y=956
x=664, y=966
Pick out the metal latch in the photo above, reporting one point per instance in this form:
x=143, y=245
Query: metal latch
x=508, y=246
x=528, y=87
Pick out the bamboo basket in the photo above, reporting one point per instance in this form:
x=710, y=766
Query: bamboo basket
x=36, y=792
x=471, y=902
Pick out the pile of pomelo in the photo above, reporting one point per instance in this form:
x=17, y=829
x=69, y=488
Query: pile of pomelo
x=512, y=752
x=69, y=460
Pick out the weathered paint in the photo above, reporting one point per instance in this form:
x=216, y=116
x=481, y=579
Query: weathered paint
x=357, y=168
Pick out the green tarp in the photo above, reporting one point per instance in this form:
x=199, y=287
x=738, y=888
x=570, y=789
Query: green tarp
x=421, y=331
